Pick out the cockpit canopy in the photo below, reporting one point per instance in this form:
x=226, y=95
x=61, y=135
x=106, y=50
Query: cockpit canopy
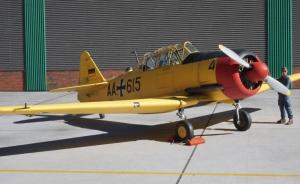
x=170, y=55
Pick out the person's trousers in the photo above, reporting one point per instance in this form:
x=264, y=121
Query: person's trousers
x=285, y=105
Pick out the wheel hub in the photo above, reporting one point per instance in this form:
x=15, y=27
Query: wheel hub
x=182, y=132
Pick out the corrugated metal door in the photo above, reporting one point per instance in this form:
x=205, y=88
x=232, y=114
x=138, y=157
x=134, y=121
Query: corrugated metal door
x=112, y=30
x=11, y=35
x=34, y=20
x=296, y=33
x=279, y=35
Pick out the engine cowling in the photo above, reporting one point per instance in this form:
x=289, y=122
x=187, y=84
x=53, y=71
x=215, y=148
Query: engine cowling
x=239, y=82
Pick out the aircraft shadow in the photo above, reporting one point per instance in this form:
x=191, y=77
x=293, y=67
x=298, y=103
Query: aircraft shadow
x=224, y=129
x=116, y=132
x=258, y=122
x=264, y=122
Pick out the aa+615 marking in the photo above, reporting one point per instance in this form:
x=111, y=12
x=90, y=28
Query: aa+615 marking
x=130, y=86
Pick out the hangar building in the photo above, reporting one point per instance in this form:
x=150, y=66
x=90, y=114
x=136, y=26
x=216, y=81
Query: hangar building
x=41, y=40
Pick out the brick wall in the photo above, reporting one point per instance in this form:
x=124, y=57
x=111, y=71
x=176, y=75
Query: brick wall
x=11, y=81
x=58, y=79
x=296, y=69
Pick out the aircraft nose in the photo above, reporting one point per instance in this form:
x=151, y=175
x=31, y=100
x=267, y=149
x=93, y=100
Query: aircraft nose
x=258, y=72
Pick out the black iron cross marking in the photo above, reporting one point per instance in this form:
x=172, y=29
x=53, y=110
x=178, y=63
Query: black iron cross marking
x=121, y=87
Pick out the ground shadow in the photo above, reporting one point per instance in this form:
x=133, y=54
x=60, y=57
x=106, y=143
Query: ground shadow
x=258, y=122
x=265, y=122
x=116, y=132
x=224, y=129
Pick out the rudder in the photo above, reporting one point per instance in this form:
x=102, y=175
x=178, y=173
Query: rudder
x=89, y=72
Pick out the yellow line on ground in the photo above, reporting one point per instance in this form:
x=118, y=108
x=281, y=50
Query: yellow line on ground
x=149, y=173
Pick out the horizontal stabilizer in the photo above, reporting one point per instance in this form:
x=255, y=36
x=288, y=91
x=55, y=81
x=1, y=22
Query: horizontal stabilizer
x=81, y=87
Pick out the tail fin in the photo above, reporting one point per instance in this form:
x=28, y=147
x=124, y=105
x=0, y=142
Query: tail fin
x=89, y=72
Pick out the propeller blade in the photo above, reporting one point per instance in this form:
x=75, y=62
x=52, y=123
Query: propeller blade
x=234, y=56
x=277, y=86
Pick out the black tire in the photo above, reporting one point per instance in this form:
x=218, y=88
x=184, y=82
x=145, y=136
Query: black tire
x=245, y=120
x=101, y=116
x=184, y=131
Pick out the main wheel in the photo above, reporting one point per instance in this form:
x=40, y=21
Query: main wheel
x=184, y=131
x=245, y=120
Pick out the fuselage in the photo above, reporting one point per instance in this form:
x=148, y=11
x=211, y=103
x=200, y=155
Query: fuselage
x=159, y=82
x=224, y=78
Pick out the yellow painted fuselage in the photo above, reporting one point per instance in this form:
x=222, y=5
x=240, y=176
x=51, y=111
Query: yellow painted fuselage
x=172, y=80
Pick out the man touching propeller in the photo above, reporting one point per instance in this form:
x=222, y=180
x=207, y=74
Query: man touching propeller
x=284, y=101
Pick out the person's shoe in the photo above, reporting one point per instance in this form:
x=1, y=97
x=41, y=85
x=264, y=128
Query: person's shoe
x=281, y=121
x=289, y=122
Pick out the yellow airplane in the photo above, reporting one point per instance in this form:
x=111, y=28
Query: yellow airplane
x=169, y=79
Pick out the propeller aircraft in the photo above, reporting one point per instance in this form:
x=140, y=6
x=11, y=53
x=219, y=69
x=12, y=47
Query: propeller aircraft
x=171, y=78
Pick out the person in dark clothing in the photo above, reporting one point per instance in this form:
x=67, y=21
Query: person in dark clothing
x=284, y=101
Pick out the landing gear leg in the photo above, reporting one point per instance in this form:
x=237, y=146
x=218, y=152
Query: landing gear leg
x=184, y=129
x=241, y=119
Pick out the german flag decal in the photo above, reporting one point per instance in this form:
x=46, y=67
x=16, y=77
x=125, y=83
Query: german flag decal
x=91, y=71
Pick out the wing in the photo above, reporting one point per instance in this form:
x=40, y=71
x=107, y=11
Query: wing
x=264, y=87
x=150, y=105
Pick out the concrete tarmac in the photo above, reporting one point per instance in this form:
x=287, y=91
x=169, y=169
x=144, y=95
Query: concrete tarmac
x=128, y=148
